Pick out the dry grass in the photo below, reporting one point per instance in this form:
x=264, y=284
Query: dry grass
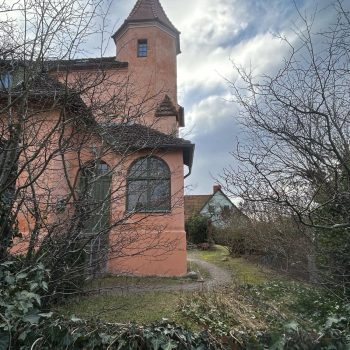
x=243, y=271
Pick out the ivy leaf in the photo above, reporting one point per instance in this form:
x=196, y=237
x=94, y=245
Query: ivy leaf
x=4, y=340
x=292, y=326
x=121, y=344
x=75, y=319
x=170, y=346
x=32, y=318
x=21, y=276
x=156, y=343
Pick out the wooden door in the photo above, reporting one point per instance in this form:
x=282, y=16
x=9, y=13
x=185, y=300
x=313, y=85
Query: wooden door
x=96, y=191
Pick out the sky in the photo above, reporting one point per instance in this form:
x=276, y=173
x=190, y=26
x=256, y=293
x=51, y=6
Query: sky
x=214, y=34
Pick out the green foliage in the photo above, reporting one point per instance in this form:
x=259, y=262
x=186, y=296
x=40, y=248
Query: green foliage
x=20, y=300
x=232, y=234
x=197, y=229
x=65, y=257
x=8, y=221
x=24, y=326
x=333, y=256
x=76, y=334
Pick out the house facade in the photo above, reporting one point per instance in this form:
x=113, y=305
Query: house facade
x=124, y=162
x=215, y=206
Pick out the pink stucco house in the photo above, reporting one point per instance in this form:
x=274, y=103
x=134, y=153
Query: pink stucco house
x=133, y=151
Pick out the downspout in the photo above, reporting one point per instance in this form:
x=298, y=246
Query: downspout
x=189, y=173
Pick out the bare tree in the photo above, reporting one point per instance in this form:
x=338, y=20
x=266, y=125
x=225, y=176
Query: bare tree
x=298, y=129
x=67, y=140
x=298, y=123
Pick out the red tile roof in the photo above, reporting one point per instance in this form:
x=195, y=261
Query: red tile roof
x=135, y=137
x=194, y=204
x=149, y=11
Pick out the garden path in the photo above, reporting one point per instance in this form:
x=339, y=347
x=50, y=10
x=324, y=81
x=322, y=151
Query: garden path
x=217, y=277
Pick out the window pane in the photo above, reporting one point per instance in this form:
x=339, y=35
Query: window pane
x=142, y=48
x=157, y=168
x=137, y=195
x=159, y=195
x=149, y=185
x=139, y=169
x=103, y=168
x=6, y=80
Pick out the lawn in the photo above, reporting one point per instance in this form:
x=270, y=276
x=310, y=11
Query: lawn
x=152, y=306
x=126, y=281
x=243, y=271
x=142, y=308
x=257, y=300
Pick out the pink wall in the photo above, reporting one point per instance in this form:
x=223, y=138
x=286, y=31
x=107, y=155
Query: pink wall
x=152, y=244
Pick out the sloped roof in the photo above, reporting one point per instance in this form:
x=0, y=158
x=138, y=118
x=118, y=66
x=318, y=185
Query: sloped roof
x=85, y=63
x=125, y=138
x=166, y=108
x=149, y=11
x=194, y=204
x=42, y=88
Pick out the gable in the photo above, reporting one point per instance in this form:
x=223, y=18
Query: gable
x=216, y=204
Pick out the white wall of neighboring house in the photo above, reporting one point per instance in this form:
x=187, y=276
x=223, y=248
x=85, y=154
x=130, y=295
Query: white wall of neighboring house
x=213, y=208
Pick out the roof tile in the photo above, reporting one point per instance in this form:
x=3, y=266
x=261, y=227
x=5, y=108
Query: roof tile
x=148, y=10
x=166, y=108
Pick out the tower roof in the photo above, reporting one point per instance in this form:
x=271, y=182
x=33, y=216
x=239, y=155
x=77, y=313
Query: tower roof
x=149, y=11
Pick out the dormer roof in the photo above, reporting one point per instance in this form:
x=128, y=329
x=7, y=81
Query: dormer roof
x=147, y=11
x=166, y=108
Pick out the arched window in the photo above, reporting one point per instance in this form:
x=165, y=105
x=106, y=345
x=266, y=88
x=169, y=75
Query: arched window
x=148, y=186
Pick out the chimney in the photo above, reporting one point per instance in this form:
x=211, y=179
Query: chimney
x=216, y=188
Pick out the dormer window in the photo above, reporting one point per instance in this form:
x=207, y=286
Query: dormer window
x=142, y=48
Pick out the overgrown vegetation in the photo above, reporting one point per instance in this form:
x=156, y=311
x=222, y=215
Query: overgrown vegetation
x=294, y=168
x=197, y=229
x=262, y=310
x=24, y=325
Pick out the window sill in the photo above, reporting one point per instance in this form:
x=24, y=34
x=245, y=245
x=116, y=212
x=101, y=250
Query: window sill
x=149, y=212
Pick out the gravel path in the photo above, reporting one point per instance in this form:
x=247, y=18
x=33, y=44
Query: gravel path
x=218, y=277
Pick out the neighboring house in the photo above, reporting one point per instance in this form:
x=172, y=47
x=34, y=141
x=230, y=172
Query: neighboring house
x=215, y=206
x=144, y=170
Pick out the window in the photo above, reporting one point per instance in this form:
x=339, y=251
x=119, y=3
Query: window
x=6, y=81
x=142, y=48
x=148, y=186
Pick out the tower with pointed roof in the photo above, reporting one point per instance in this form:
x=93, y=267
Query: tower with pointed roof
x=150, y=43
x=135, y=202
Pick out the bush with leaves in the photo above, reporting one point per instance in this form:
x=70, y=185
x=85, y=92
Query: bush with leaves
x=233, y=233
x=197, y=229
x=76, y=334
x=24, y=325
x=20, y=300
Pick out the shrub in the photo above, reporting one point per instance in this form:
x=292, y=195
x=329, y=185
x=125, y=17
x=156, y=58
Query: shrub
x=232, y=239
x=234, y=233
x=197, y=229
x=20, y=300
